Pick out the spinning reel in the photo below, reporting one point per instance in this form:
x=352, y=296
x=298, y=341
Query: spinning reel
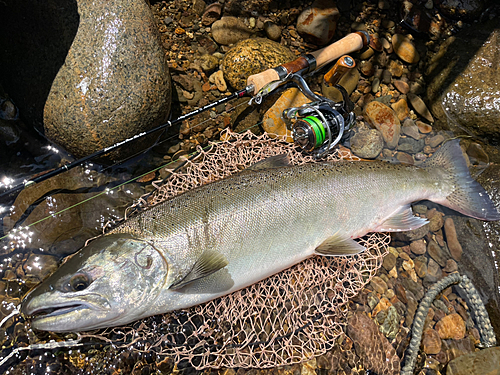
x=320, y=125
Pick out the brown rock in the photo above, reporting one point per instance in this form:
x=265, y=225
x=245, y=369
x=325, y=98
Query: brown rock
x=389, y=261
x=436, y=140
x=378, y=285
x=452, y=240
x=402, y=86
x=273, y=122
x=252, y=56
x=319, y=21
x=405, y=49
x=423, y=127
x=212, y=13
x=396, y=68
x=486, y=361
x=366, y=336
x=367, y=144
x=431, y=342
x=385, y=120
x=420, y=266
x=401, y=109
x=419, y=106
x=229, y=30
x=405, y=158
x=436, y=220
x=437, y=253
x=451, y=266
x=418, y=247
x=451, y=327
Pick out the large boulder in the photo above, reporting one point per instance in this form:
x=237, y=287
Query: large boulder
x=114, y=82
x=465, y=79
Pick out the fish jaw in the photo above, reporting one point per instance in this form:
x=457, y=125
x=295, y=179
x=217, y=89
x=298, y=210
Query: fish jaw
x=58, y=313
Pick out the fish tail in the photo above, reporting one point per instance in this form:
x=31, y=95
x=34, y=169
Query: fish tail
x=468, y=196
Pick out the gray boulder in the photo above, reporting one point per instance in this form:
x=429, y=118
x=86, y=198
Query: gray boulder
x=114, y=82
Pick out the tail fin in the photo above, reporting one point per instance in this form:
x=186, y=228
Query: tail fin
x=468, y=197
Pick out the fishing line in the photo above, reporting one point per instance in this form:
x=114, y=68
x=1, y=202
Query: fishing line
x=110, y=190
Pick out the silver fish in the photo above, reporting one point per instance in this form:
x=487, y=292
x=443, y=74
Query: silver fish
x=229, y=234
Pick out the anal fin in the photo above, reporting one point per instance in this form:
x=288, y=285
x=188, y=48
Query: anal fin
x=208, y=263
x=402, y=220
x=339, y=244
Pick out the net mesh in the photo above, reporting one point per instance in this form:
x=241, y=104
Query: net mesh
x=287, y=318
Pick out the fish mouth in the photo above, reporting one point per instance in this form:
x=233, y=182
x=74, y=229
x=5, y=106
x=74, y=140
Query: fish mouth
x=53, y=311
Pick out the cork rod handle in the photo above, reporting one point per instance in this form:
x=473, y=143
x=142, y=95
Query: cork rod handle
x=350, y=43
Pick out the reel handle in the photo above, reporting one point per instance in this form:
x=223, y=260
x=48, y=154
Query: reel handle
x=309, y=62
x=341, y=67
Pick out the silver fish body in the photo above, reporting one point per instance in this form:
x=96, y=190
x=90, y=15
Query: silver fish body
x=231, y=233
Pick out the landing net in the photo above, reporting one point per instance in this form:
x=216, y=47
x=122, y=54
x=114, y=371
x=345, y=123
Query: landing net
x=287, y=318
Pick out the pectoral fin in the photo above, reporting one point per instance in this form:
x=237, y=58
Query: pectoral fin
x=339, y=244
x=402, y=220
x=208, y=263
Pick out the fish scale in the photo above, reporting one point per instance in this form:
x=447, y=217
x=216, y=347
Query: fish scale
x=231, y=233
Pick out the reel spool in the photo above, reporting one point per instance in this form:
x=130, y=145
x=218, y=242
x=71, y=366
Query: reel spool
x=320, y=125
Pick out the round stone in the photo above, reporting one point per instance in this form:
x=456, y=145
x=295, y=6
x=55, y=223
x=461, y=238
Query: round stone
x=253, y=56
x=367, y=144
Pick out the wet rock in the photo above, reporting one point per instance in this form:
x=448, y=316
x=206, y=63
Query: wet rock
x=378, y=285
x=367, y=68
x=209, y=62
x=431, y=342
x=385, y=120
x=371, y=346
x=411, y=145
x=423, y=127
x=273, y=122
x=389, y=261
x=198, y=7
x=252, y=56
x=114, y=83
x=476, y=151
x=375, y=85
x=405, y=158
x=464, y=90
x=436, y=140
x=451, y=266
x=405, y=49
x=386, y=76
x=437, y=253
x=412, y=235
x=396, y=68
x=211, y=14
x=419, y=106
x=416, y=288
x=367, y=144
x=401, y=109
x=436, y=220
x=452, y=240
x=218, y=78
x=272, y=31
x=230, y=30
x=402, y=86
x=410, y=129
x=451, y=327
x=462, y=9
x=420, y=266
x=389, y=322
x=40, y=266
x=418, y=247
x=318, y=22
x=486, y=361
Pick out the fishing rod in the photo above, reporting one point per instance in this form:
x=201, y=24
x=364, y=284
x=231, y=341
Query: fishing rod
x=311, y=129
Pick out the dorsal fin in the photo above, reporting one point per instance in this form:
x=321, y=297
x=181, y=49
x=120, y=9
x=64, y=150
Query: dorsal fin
x=277, y=161
x=208, y=263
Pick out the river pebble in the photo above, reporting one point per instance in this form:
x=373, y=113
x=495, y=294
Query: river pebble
x=452, y=240
x=318, y=22
x=367, y=144
x=401, y=109
x=451, y=327
x=418, y=104
x=431, y=342
x=230, y=30
x=385, y=120
x=436, y=140
x=405, y=49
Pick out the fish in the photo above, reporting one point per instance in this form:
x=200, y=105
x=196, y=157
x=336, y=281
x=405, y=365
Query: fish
x=234, y=232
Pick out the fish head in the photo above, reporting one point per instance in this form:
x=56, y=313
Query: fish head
x=107, y=283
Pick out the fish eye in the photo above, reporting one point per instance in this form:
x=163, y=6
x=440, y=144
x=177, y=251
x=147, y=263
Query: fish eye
x=79, y=282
